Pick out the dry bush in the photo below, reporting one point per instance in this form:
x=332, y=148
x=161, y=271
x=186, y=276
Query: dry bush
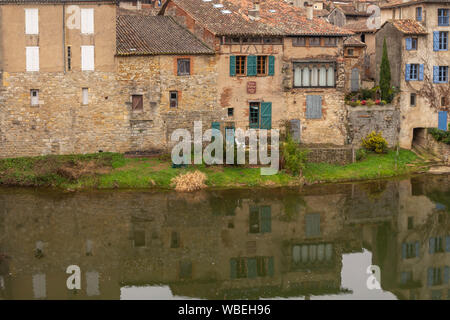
x=190, y=181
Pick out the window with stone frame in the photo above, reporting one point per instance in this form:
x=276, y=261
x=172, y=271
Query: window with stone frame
x=34, y=94
x=314, y=74
x=412, y=100
x=137, y=102
x=183, y=67
x=173, y=97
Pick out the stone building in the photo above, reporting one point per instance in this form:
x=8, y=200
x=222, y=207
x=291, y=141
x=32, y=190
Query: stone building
x=354, y=57
x=418, y=37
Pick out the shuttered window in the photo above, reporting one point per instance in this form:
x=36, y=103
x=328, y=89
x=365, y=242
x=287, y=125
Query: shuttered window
x=440, y=74
x=443, y=17
x=313, y=107
x=312, y=225
x=31, y=21
x=440, y=40
x=32, y=57
x=87, y=21
x=410, y=250
x=314, y=75
x=414, y=72
x=87, y=58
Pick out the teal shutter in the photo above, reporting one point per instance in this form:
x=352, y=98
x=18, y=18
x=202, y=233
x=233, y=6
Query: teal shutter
x=404, y=248
x=233, y=268
x=271, y=267
x=266, y=219
x=436, y=40
x=313, y=107
x=251, y=66
x=252, y=268
x=421, y=72
x=407, y=71
x=431, y=245
x=430, y=277
x=232, y=66
x=435, y=74
x=447, y=243
x=266, y=115
x=408, y=44
x=271, y=65
x=215, y=125
x=417, y=249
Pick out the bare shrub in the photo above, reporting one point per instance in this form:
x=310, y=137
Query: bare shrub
x=190, y=181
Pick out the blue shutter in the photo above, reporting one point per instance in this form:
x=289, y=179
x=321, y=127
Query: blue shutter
x=421, y=72
x=271, y=65
x=313, y=107
x=404, y=278
x=419, y=14
x=266, y=115
x=408, y=44
x=233, y=268
x=417, y=248
x=404, y=248
x=447, y=243
x=431, y=246
x=252, y=268
x=407, y=71
x=442, y=120
x=435, y=74
x=436, y=40
x=271, y=267
x=266, y=219
x=232, y=66
x=215, y=125
x=446, y=274
x=251, y=66
x=430, y=277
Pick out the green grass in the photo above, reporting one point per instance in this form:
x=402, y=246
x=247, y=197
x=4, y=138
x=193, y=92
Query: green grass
x=122, y=172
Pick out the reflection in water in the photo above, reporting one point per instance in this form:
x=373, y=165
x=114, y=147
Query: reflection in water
x=316, y=243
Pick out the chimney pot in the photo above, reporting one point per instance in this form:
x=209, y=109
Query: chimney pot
x=309, y=12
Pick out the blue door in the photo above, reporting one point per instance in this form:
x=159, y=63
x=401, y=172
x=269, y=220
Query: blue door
x=442, y=121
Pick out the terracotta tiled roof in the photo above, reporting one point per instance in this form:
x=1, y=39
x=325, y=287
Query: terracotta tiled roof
x=408, y=26
x=276, y=18
x=353, y=42
x=155, y=35
x=350, y=10
x=358, y=27
x=401, y=3
x=55, y=1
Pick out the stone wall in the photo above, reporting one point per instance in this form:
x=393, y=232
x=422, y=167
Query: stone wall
x=364, y=120
x=340, y=156
x=426, y=140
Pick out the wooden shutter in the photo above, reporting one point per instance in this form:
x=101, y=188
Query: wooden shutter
x=87, y=58
x=252, y=268
x=87, y=21
x=436, y=40
x=313, y=107
x=251, y=66
x=266, y=219
x=232, y=66
x=32, y=57
x=271, y=65
x=266, y=115
x=435, y=74
x=407, y=72
x=442, y=120
x=408, y=43
x=421, y=72
x=31, y=21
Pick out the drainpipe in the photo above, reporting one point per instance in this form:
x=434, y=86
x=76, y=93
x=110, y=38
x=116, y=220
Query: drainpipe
x=64, y=33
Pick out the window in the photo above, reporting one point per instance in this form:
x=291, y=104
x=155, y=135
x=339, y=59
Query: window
x=410, y=250
x=314, y=41
x=251, y=267
x=85, y=96
x=31, y=21
x=307, y=254
x=87, y=21
x=138, y=238
x=414, y=72
x=410, y=223
x=254, y=115
x=411, y=43
x=87, y=58
x=412, y=99
x=443, y=102
x=312, y=225
x=434, y=276
x=183, y=67
x=443, y=17
x=350, y=52
x=314, y=74
x=442, y=44
x=330, y=42
x=261, y=66
x=69, y=58
x=230, y=112
x=419, y=13
x=363, y=38
x=240, y=65
x=406, y=277
x=34, y=94
x=260, y=115
x=440, y=74
x=313, y=107
x=299, y=42
x=173, y=97
x=436, y=245
x=32, y=57
x=137, y=102
x=272, y=41
x=260, y=220
x=174, y=240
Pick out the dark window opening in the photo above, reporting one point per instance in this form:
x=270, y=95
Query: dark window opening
x=412, y=100
x=363, y=38
x=69, y=58
x=331, y=42
x=414, y=43
x=174, y=240
x=410, y=223
x=173, y=96
x=299, y=42
x=230, y=112
x=350, y=52
x=314, y=41
x=254, y=114
x=183, y=67
x=139, y=238
x=137, y=102
x=443, y=102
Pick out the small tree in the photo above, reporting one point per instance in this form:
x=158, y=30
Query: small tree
x=385, y=74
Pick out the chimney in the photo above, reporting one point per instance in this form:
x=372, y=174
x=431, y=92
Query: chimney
x=309, y=12
x=298, y=3
x=254, y=13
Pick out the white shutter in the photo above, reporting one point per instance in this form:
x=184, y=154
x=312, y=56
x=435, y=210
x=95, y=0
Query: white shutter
x=31, y=21
x=32, y=56
x=87, y=21
x=85, y=93
x=87, y=58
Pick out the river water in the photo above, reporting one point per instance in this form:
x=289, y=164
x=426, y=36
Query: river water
x=378, y=240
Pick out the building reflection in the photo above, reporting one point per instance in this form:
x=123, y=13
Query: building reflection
x=226, y=244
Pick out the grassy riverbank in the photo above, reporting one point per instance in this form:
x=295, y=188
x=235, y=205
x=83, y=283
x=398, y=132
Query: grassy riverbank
x=112, y=170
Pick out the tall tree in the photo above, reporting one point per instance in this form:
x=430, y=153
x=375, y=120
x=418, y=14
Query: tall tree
x=385, y=73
